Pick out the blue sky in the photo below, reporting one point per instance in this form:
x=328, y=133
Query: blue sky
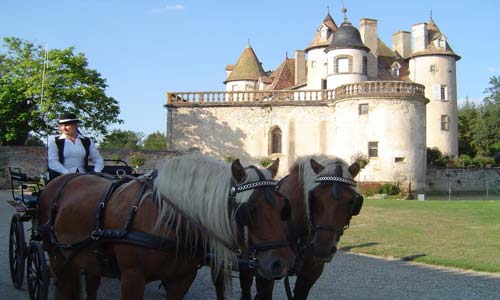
x=146, y=48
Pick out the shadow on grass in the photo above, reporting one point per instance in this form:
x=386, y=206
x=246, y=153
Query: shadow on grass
x=349, y=248
x=412, y=257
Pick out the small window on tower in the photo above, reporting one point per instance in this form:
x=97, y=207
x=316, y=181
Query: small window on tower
x=433, y=68
x=365, y=65
x=313, y=64
x=363, y=109
x=444, y=123
x=343, y=64
x=373, y=149
x=395, y=67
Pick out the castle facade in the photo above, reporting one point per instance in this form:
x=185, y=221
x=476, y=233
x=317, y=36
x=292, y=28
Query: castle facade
x=346, y=94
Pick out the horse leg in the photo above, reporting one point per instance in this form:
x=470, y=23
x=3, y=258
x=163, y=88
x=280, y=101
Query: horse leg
x=306, y=277
x=132, y=283
x=246, y=280
x=176, y=290
x=92, y=283
x=67, y=283
x=264, y=288
x=218, y=282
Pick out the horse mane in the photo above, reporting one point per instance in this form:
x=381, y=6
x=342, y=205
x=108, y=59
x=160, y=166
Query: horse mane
x=307, y=176
x=199, y=186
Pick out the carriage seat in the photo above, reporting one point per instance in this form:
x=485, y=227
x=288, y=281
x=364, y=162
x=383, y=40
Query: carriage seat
x=24, y=189
x=116, y=167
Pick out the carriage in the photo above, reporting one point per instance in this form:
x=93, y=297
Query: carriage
x=27, y=256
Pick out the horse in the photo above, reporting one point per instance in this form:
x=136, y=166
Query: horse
x=323, y=199
x=161, y=226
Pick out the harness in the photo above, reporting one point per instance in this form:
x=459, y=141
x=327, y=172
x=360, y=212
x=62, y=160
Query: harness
x=103, y=235
x=243, y=214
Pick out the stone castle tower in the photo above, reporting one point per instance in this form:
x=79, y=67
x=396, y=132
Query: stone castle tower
x=346, y=93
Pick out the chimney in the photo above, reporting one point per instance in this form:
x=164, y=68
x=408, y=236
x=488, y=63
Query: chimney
x=419, y=37
x=300, y=66
x=369, y=36
x=401, y=43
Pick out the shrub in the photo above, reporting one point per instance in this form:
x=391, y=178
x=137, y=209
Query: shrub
x=389, y=189
x=137, y=159
x=369, y=188
x=434, y=156
x=265, y=161
x=361, y=158
x=229, y=158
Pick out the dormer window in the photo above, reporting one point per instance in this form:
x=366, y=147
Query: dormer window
x=323, y=33
x=440, y=43
x=395, y=67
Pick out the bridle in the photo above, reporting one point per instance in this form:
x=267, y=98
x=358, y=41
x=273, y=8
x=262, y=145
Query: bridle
x=243, y=215
x=337, y=182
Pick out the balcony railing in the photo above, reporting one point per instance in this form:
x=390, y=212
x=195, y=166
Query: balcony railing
x=297, y=97
x=380, y=89
x=249, y=97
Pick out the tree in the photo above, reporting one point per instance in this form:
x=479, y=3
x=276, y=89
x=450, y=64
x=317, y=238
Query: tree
x=487, y=130
x=69, y=85
x=467, y=118
x=122, y=139
x=155, y=141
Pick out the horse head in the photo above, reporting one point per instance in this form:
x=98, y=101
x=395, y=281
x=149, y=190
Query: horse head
x=260, y=212
x=332, y=202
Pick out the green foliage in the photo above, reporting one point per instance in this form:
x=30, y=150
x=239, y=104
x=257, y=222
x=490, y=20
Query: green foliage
x=155, y=141
x=265, y=161
x=467, y=118
x=361, y=158
x=122, y=139
x=369, y=188
x=229, y=158
x=137, y=159
x=389, y=189
x=69, y=86
x=33, y=140
x=434, y=157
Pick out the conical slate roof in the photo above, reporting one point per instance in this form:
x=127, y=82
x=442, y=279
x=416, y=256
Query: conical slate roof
x=317, y=42
x=248, y=67
x=347, y=37
x=433, y=34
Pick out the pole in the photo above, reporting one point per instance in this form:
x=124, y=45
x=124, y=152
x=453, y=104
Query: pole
x=449, y=190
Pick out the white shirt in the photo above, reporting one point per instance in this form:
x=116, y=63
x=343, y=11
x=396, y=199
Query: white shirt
x=74, y=156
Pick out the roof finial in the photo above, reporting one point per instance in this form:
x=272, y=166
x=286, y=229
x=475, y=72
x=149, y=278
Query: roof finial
x=344, y=11
x=430, y=17
x=249, y=46
x=328, y=9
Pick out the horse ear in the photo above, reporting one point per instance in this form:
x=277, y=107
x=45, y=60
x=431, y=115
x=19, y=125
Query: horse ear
x=316, y=166
x=273, y=168
x=354, y=169
x=238, y=171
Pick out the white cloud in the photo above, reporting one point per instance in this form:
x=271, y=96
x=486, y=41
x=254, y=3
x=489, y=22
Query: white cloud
x=167, y=8
x=493, y=70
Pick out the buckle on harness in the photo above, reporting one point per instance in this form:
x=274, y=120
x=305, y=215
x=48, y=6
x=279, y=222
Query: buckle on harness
x=96, y=235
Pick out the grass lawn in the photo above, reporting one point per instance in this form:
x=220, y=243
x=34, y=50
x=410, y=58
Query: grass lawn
x=461, y=234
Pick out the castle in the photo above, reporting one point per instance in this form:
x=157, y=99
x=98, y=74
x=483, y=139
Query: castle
x=347, y=93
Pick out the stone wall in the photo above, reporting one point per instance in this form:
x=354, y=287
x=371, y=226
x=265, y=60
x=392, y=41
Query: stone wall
x=462, y=180
x=33, y=160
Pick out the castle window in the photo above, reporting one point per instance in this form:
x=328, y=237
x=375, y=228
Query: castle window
x=433, y=68
x=324, y=33
x=363, y=109
x=440, y=92
x=373, y=149
x=365, y=65
x=399, y=159
x=395, y=67
x=444, y=122
x=343, y=64
x=313, y=64
x=275, y=140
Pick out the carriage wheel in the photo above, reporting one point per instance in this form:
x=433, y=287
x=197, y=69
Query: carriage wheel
x=38, y=272
x=17, y=251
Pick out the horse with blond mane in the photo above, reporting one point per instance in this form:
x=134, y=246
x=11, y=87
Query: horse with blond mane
x=323, y=198
x=161, y=226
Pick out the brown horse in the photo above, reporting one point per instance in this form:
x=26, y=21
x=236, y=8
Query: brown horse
x=323, y=199
x=144, y=232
